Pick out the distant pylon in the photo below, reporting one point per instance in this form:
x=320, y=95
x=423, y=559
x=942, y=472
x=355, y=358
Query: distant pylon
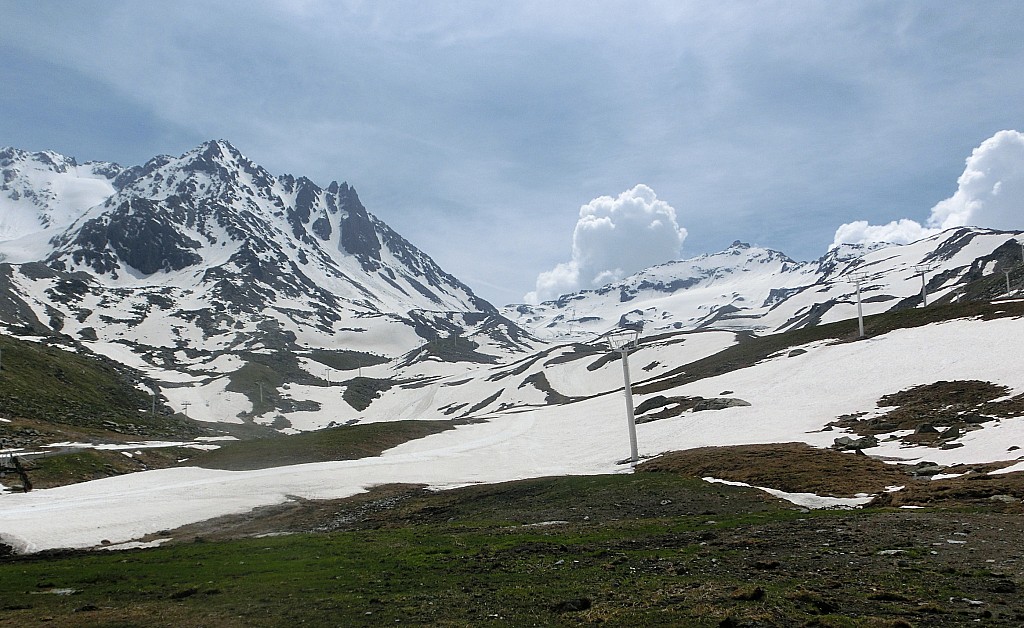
x=923, y=269
x=858, y=278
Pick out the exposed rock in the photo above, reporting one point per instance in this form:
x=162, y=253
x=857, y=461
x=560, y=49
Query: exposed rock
x=719, y=403
x=845, y=443
x=950, y=433
x=1006, y=499
x=926, y=469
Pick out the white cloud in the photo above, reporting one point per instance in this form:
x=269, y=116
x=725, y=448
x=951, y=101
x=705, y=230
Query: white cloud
x=613, y=238
x=898, y=231
x=990, y=193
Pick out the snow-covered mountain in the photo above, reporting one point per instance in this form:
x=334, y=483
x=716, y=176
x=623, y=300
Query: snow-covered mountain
x=248, y=297
x=190, y=267
x=41, y=192
x=757, y=289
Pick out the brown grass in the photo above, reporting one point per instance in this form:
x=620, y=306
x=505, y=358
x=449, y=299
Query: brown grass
x=792, y=467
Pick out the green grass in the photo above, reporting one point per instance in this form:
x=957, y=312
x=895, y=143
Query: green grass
x=93, y=464
x=339, y=443
x=459, y=563
x=346, y=360
x=640, y=549
x=44, y=383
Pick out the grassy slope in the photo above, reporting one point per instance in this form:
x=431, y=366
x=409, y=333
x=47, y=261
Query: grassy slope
x=78, y=393
x=340, y=443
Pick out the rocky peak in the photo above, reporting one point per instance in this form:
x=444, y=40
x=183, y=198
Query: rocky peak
x=358, y=236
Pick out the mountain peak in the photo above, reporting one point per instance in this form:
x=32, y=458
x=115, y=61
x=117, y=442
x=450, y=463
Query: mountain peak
x=218, y=149
x=214, y=156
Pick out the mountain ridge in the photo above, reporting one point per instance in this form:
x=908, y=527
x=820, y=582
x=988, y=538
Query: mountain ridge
x=759, y=289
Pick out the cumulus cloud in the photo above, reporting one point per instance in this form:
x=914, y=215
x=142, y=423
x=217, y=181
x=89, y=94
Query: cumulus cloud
x=898, y=231
x=614, y=237
x=990, y=193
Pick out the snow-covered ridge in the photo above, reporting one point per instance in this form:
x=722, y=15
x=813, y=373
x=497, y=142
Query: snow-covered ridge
x=44, y=191
x=758, y=289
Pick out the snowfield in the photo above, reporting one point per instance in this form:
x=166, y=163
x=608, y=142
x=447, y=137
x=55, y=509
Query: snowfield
x=792, y=399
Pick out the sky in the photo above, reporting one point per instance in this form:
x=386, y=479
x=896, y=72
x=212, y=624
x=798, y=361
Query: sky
x=538, y=147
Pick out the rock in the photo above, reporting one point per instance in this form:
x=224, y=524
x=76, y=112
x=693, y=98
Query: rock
x=926, y=468
x=1003, y=586
x=1006, y=499
x=926, y=428
x=184, y=593
x=652, y=403
x=953, y=432
x=796, y=352
x=719, y=403
x=846, y=443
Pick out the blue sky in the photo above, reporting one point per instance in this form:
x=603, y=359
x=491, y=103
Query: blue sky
x=478, y=130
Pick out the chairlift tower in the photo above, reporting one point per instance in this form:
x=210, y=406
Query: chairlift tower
x=923, y=269
x=858, y=278
x=621, y=341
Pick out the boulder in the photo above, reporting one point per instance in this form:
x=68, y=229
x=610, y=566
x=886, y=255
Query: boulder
x=719, y=403
x=846, y=443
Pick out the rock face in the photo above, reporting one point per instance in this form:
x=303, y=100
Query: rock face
x=138, y=233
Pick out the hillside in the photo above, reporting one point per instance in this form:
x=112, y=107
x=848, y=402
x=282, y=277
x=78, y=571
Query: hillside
x=580, y=431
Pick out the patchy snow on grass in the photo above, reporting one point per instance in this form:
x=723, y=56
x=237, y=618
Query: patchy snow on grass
x=1010, y=469
x=209, y=402
x=806, y=500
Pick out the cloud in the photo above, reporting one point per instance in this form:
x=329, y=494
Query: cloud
x=898, y=231
x=990, y=193
x=613, y=238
